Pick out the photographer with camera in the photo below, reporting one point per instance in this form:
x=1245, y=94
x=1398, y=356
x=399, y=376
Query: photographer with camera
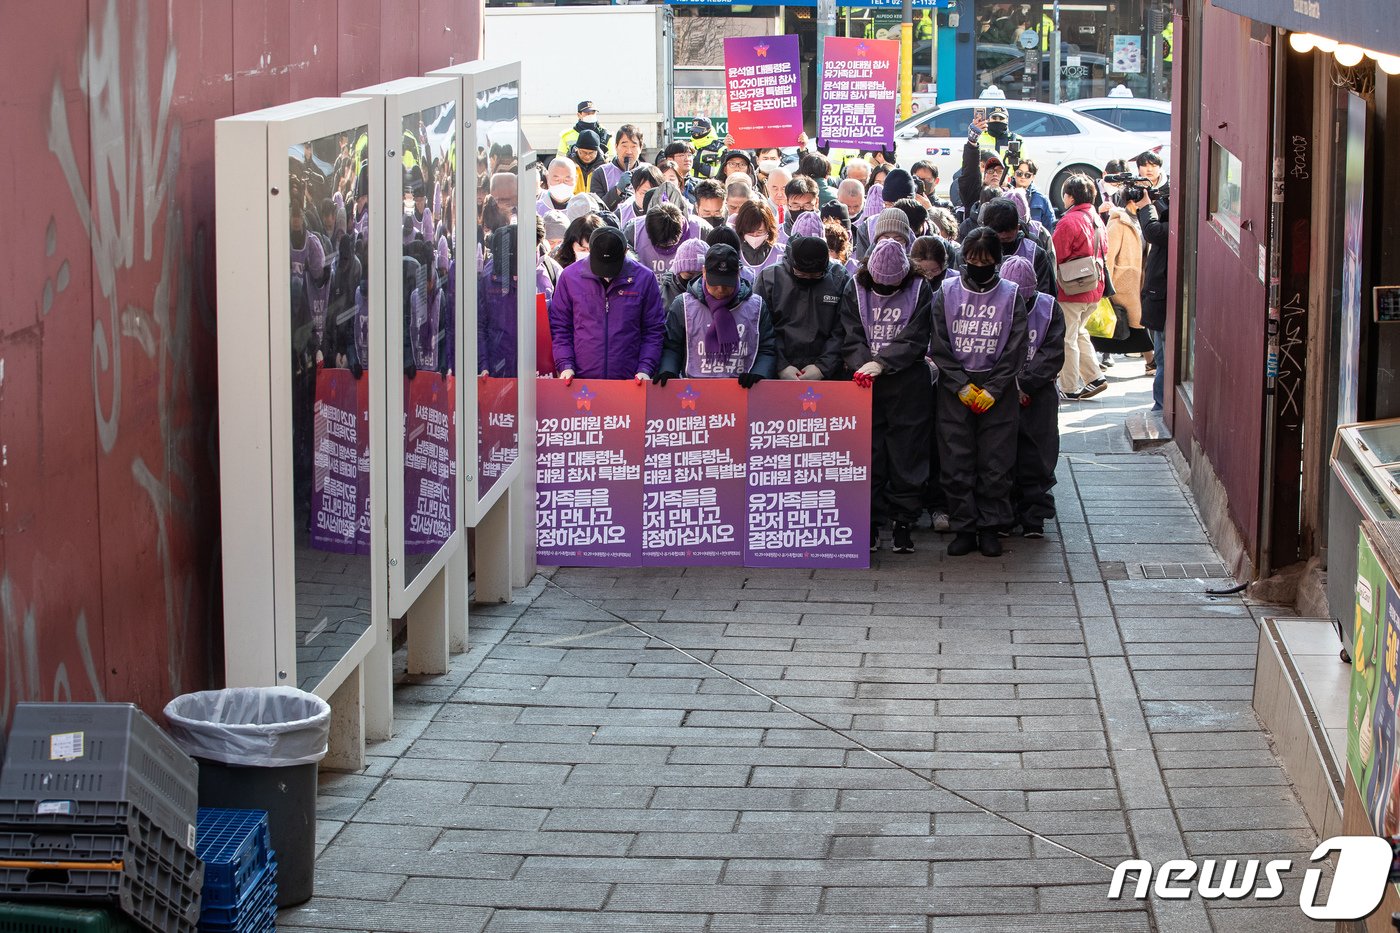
x=1152, y=209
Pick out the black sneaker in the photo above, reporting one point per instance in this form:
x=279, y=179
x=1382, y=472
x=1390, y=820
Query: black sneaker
x=989, y=544
x=1032, y=530
x=1093, y=388
x=963, y=543
x=874, y=537
x=903, y=538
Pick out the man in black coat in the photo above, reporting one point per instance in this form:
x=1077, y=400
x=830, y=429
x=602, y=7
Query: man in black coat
x=1152, y=215
x=803, y=293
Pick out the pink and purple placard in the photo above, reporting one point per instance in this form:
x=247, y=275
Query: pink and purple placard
x=763, y=90
x=860, y=80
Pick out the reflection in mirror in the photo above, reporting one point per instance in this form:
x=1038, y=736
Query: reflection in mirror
x=430, y=333
x=497, y=197
x=328, y=223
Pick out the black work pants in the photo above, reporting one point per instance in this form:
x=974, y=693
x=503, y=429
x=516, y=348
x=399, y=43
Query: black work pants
x=977, y=456
x=1037, y=451
x=899, y=438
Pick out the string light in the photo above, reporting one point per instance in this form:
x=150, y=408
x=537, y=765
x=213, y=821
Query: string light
x=1348, y=55
x=1302, y=41
x=1390, y=64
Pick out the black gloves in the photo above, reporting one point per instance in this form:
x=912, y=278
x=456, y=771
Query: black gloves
x=660, y=378
x=749, y=380
x=356, y=369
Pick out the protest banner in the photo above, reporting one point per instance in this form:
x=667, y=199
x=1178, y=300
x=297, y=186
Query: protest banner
x=860, y=78
x=809, y=475
x=497, y=434
x=588, y=495
x=694, y=473
x=338, y=439
x=429, y=461
x=763, y=89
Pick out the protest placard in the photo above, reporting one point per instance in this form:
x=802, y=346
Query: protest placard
x=763, y=89
x=860, y=78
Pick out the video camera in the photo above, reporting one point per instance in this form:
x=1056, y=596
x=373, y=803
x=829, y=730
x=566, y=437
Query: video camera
x=1134, y=186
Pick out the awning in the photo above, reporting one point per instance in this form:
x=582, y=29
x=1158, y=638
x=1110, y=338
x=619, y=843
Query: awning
x=859, y=4
x=1358, y=22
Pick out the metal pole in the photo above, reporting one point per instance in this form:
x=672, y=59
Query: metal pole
x=906, y=62
x=1055, y=56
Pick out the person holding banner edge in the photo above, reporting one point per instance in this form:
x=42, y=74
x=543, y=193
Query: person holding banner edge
x=724, y=322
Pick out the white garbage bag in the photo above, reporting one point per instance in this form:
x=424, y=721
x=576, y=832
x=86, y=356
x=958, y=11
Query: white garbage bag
x=255, y=727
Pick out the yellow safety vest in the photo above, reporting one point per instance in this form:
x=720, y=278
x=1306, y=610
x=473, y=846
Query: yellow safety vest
x=1167, y=42
x=924, y=29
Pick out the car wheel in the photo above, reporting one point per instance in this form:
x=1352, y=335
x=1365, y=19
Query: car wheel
x=1056, y=193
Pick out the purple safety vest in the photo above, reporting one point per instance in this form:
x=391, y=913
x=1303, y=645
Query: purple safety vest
x=611, y=174
x=1026, y=250
x=705, y=357
x=884, y=316
x=1037, y=323
x=775, y=256
x=979, y=323
x=655, y=258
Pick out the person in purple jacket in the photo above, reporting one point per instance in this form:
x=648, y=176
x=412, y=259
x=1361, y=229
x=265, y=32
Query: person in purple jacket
x=606, y=320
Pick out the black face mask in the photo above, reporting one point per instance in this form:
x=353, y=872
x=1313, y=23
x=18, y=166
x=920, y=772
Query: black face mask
x=981, y=276
x=997, y=130
x=715, y=222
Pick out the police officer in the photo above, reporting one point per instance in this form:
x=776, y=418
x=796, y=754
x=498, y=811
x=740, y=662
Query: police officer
x=979, y=346
x=587, y=120
x=708, y=149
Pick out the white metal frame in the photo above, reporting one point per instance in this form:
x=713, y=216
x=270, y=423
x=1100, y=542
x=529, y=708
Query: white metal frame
x=393, y=100
x=479, y=76
x=254, y=414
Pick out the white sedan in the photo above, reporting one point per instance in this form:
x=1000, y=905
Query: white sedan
x=1151, y=118
x=1061, y=141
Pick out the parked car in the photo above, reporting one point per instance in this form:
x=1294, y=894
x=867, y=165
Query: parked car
x=1141, y=115
x=1082, y=74
x=1061, y=141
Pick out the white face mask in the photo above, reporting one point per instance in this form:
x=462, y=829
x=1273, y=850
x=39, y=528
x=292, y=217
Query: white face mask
x=561, y=192
x=580, y=252
x=588, y=118
x=755, y=240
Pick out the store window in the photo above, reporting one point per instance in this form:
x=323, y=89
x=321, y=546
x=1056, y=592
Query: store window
x=1223, y=206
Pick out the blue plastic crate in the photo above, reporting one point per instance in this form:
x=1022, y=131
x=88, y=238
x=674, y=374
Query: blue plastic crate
x=234, y=917
x=258, y=914
x=236, y=848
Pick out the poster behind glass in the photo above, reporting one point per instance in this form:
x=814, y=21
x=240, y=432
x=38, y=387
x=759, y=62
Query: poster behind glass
x=429, y=153
x=328, y=305
x=497, y=196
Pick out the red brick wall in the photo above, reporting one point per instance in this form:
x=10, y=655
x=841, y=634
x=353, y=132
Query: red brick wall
x=109, y=534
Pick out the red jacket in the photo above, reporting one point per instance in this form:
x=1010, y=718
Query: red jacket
x=1079, y=233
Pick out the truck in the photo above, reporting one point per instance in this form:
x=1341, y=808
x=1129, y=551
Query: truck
x=569, y=54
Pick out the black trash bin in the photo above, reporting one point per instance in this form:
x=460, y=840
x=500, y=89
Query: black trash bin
x=258, y=749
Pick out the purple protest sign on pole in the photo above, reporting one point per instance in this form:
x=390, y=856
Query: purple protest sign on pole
x=763, y=88
x=860, y=78
x=588, y=494
x=338, y=435
x=809, y=475
x=694, y=473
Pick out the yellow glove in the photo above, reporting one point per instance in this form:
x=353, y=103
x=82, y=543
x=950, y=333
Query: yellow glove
x=977, y=399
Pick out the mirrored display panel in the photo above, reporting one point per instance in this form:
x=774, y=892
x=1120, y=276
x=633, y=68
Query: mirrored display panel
x=429, y=257
x=328, y=248
x=498, y=299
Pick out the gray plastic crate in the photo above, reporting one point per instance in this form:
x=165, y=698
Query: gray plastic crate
x=90, y=764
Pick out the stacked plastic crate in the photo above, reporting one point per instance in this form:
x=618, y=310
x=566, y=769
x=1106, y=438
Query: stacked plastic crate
x=240, y=874
x=97, y=804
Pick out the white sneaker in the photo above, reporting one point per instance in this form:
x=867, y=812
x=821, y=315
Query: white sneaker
x=941, y=522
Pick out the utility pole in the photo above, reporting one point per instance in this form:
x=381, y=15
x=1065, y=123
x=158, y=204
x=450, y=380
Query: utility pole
x=1055, y=57
x=906, y=62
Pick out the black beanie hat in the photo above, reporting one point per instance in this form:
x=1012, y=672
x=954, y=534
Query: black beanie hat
x=587, y=140
x=898, y=184
x=835, y=210
x=809, y=254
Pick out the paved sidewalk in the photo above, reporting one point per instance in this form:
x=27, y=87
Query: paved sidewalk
x=935, y=744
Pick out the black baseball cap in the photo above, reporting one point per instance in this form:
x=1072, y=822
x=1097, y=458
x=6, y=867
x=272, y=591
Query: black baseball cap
x=722, y=265
x=586, y=106
x=607, y=250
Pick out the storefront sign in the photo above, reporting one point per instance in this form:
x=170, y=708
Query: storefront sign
x=429, y=477
x=680, y=126
x=694, y=473
x=588, y=492
x=774, y=476
x=763, y=90
x=1127, y=55
x=860, y=78
x=1352, y=21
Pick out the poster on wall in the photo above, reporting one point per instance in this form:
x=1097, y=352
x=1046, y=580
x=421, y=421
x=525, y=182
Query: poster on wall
x=763, y=90
x=1349, y=359
x=1127, y=55
x=1381, y=794
x=809, y=475
x=1370, y=609
x=860, y=79
x=430, y=470
x=694, y=473
x=339, y=497
x=588, y=493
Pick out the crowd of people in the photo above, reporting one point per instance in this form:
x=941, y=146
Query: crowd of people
x=966, y=322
